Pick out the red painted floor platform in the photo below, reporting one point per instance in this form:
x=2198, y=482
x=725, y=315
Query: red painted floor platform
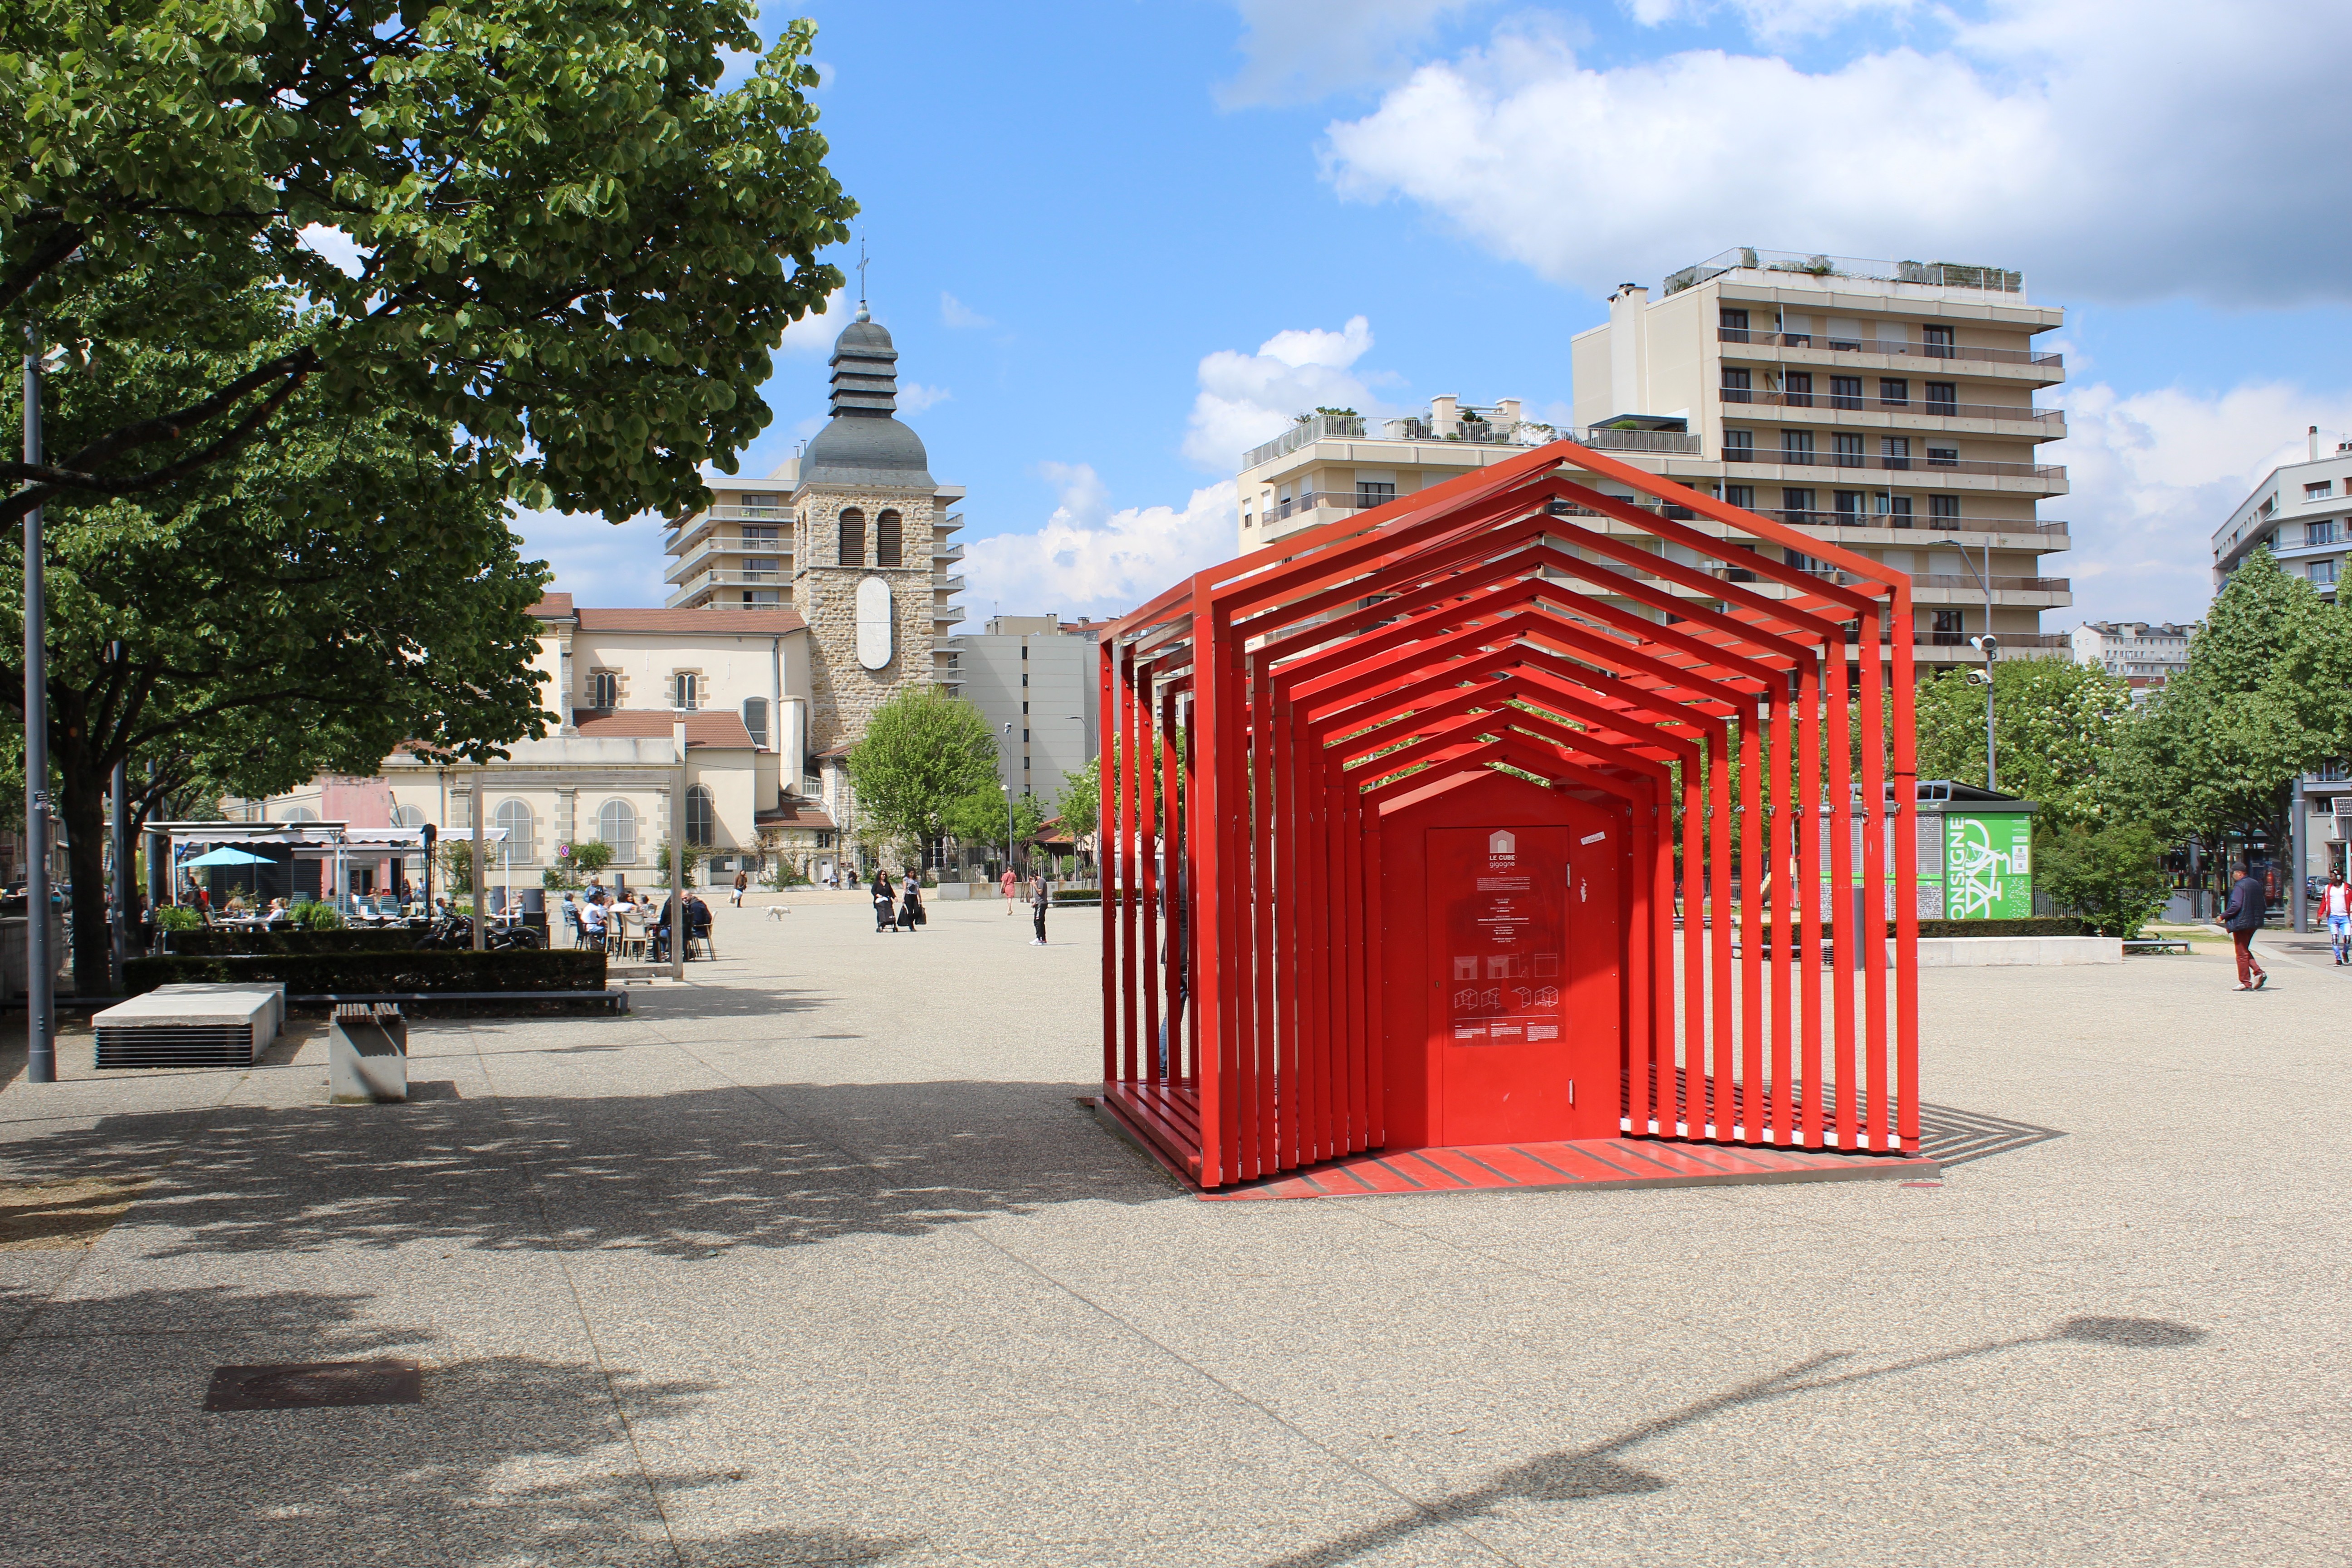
x=1593, y=1162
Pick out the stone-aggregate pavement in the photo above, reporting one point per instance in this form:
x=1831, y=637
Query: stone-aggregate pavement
x=816, y=1259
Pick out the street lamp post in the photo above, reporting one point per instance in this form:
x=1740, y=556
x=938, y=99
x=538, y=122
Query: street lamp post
x=1006, y=785
x=1987, y=644
x=40, y=1019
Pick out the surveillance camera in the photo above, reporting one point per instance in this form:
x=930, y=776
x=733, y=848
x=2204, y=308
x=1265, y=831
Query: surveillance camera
x=1986, y=645
x=1979, y=678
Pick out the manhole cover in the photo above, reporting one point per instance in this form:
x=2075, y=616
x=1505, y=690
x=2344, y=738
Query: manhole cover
x=303, y=1385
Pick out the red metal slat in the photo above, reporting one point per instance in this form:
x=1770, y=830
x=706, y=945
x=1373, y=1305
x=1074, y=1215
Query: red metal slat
x=1846, y=940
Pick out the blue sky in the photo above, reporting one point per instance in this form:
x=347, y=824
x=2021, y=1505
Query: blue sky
x=1114, y=241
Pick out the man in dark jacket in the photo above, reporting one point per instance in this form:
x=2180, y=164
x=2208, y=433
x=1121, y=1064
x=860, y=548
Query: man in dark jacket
x=2242, y=917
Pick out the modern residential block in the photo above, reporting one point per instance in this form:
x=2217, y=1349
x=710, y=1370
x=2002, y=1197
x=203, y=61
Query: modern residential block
x=1036, y=682
x=2301, y=511
x=2144, y=653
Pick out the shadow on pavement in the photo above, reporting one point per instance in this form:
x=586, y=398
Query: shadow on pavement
x=1596, y=1471
x=691, y=1172
x=509, y=1459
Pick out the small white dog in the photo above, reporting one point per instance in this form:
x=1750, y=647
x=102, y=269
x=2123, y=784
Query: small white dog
x=777, y=911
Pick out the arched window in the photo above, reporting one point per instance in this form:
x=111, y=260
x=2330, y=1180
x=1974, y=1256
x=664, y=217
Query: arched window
x=887, y=551
x=701, y=816
x=853, y=537
x=408, y=816
x=686, y=689
x=616, y=826
x=755, y=719
x=299, y=813
x=515, y=817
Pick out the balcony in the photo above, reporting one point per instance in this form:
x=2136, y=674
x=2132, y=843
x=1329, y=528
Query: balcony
x=946, y=615
x=2053, y=535
x=2053, y=420
x=947, y=584
x=1480, y=433
x=1788, y=265
x=1891, y=348
x=1865, y=462
x=948, y=552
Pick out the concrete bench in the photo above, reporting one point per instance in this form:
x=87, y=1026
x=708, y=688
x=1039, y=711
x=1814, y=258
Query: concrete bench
x=367, y=1054
x=2159, y=944
x=190, y=1026
x=616, y=999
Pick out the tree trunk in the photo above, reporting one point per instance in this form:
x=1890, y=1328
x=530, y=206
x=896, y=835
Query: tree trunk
x=81, y=806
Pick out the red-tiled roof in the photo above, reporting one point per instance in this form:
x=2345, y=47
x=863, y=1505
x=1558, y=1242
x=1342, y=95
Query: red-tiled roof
x=719, y=728
x=769, y=622
x=553, y=607
x=800, y=815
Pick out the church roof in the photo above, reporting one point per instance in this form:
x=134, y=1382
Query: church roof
x=713, y=727
x=865, y=444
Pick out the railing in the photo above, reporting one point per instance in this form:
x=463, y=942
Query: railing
x=1931, y=274
x=1891, y=346
x=2009, y=641
x=1783, y=457
x=2000, y=584
x=947, y=584
x=948, y=552
x=1929, y=408
x=1971, y=525
x=1472, y=434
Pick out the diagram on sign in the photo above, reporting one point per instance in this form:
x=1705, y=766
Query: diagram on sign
x=1505, y=957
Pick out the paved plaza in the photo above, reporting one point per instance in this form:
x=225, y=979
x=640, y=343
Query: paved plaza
x=816, y=1259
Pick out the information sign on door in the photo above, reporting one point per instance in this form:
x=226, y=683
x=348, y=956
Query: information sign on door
x=1500, y=982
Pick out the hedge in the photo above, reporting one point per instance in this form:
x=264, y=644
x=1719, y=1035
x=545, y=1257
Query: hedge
x=2035, y=925
x=313, y=974
x=220, y=940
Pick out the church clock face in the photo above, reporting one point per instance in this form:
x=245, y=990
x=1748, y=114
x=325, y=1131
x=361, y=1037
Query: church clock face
x=875, y=619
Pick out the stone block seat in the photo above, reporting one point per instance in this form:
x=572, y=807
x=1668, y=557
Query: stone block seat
x=190, y=1025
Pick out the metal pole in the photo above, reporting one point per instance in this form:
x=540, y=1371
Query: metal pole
x=481, y=872
x=2299, y=834
x=1992, y=779
x=1007, y=788
x=40, y=1017
x=123, y=926
x=677, y=858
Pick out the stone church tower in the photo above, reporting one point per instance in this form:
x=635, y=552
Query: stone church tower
x=865, y=520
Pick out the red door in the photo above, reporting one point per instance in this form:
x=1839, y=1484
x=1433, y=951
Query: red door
x=1523, y=972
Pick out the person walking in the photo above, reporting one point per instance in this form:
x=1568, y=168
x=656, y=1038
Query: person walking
x=2335, y=908
x=910, y=905
x=742, y=880
x=883, y=920
x=2241, y=918
x=1009, y=885
x=1038, y=899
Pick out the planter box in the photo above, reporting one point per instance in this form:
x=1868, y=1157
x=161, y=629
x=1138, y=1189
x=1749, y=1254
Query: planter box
x=2004, y=951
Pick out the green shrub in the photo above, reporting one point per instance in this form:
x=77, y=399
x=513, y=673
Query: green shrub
x=2110, y=875
x=318, y=916
x=178, y=918
x=312, y=974
x=224, y=941
x=590, y=856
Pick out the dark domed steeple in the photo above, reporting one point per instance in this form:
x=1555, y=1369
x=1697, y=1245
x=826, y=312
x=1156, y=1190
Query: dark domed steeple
x=865, y=444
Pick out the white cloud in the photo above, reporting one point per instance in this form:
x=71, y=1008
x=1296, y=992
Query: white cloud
x=2113, y=149
x=596, y=561
x=1770, y=19
x=1088, y=560
x=815, y=332
x=914, y=397
x=956, y=313
x=2152, y=474
x=341, y=250
x=1295, y=51
x=1248, y=399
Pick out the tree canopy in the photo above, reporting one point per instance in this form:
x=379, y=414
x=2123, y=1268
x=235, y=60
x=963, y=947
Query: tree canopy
x=571, y=253
x=2057, y=728
x=924, y=753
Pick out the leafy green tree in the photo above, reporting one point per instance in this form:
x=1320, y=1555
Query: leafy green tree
x=591, y=856
x=571, y=253
x=694, y=855
x=983, y=817
x=2057, y=727
x=304, y=607
x=2109, y=873
x=925, y=754
x=1079, y=801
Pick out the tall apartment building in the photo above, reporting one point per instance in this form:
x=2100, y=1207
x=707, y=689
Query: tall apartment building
x=1036, y=682
x=858, y=506
x=2302, y=513
x=1885, y=407
x=2144, y=653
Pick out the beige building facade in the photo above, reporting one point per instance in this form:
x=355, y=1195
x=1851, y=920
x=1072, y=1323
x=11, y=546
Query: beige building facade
x=1885, y=406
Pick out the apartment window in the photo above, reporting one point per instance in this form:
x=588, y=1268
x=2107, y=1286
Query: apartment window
x=1849, y=507
x=758, y=598
x=616, y=825
x=760, y=503
x=685, y=688
x=1739, y=446
x=701, y=816
x=1796, y=446
x=1943, y=456
x=1797, y=331
x=1936, y=342
x=1894, y=393
x=755, y=720
x=1740, y=496
x=1895, y=451
x=1943, y=397
x=2323, y=572
x=1893, y=511
x=1944, y=512
x=759, y=568
x=1738, y=385
x=758, y=534
x=2321, y=532
x=889, y=551
x=1797, y=388
x=1945, y=629
x=852, y=551
x=1846, y=451
x=1845, y=392
x=605, y=689
x=1797, y=506
x=1371, y=493
x=2319, y=492
x=1734, y=321
x=1804, y=563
